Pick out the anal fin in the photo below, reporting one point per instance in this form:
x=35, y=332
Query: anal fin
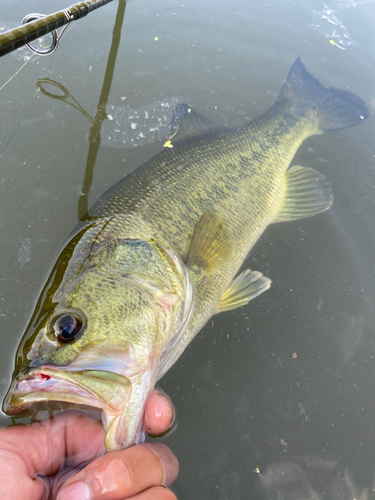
x=307, y=193
x=244, y=288
x=210, y=246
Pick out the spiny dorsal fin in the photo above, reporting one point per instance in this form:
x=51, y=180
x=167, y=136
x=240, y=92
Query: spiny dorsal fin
x=244, y=288
x=307, y=193
x=210, y=246
x=187, y=122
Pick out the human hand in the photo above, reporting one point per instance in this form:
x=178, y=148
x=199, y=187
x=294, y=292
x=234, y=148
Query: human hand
x=39, y=461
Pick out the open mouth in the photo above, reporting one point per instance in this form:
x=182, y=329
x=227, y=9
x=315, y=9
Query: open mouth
x=95, y=388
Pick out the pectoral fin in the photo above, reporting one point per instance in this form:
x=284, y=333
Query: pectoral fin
x=307, y=193
x=244, y=288
x=210, y=246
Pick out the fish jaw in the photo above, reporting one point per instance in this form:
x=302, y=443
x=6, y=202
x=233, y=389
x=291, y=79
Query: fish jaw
x=121, y=399
x=125, y=429
x=96, y=388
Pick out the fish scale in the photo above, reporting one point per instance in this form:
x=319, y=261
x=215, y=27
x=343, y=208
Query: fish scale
x=251, y=168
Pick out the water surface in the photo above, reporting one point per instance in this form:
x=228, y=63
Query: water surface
x=275, y=400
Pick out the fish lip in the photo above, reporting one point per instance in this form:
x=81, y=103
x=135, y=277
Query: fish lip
x=51, y=384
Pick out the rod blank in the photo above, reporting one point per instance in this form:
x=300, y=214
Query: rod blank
x=17, y=37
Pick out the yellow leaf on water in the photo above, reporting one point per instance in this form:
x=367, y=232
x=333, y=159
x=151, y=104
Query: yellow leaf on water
x=332, y=42
x=168, y=144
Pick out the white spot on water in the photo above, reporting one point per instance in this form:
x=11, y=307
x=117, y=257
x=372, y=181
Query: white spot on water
x=24, y=253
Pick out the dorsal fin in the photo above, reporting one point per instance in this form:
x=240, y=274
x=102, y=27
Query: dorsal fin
x=186, y=122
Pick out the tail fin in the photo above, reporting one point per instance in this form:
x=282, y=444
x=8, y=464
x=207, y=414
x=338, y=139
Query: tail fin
x=336, y=109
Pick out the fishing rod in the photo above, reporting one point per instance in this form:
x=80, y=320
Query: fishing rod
x=36, y=25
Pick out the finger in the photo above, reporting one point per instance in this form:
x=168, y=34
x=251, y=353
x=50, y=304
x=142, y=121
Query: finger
x=155, y=493
x=159, y=414
x=123, y=474
x=70, y=438
x=17, y=485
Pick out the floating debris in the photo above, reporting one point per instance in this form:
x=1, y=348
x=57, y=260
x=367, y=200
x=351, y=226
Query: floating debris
x=329, y=22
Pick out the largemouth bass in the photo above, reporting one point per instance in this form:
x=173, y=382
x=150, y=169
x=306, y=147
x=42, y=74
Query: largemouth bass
x=159, y=254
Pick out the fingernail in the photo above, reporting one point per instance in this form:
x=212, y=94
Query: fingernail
x=168, y=460
x=170, y=408
x=75, y=491
x=160, y=413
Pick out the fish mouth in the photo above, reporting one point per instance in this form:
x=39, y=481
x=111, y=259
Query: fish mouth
x=95, y=388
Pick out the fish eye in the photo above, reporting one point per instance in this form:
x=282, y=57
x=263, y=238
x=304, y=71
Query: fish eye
x=67, y=327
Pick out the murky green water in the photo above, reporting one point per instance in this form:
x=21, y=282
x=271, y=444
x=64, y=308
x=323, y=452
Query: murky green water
x=285, y=386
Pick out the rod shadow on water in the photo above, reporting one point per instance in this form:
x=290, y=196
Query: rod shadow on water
x=101, y=115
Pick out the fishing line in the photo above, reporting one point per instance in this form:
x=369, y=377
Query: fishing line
x=35, y=98
x=16, y=73
x=31, y=105
x=37, y=51
x=15, y=130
